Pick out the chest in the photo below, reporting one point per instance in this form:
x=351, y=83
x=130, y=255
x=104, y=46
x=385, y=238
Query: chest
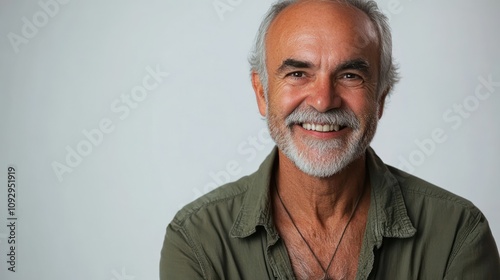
x=330, y=251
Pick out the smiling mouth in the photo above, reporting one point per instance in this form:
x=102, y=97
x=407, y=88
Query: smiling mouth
x=322, y=127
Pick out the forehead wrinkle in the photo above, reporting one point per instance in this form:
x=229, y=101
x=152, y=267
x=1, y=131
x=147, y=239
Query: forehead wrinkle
x=305, y=48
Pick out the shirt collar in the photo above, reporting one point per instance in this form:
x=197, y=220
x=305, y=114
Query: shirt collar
x=256, y=208
x=387, y=209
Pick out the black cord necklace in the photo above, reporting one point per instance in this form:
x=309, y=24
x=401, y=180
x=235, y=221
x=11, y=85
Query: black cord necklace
x=325, y=270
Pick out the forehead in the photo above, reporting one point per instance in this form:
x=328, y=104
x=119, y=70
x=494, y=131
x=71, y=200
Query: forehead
x=321, y=27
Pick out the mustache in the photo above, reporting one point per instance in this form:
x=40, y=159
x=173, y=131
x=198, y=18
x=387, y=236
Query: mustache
x=339, y=116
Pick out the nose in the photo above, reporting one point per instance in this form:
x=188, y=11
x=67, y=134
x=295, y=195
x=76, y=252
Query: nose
x=323, y=96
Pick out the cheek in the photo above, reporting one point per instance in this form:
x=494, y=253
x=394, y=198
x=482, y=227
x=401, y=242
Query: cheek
x=371, y=112
x=284, y=99
x=362, y=106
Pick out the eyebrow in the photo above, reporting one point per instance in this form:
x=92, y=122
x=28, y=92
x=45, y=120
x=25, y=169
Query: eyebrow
x=355, y=64
x=291, y=63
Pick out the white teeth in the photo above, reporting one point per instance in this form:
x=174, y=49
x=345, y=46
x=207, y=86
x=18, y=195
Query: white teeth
x=321, y=128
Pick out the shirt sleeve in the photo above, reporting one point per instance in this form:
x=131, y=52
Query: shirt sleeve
x=477, y=257
x=178, y=259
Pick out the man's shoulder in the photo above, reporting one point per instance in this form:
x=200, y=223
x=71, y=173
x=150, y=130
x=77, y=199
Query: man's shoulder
x=420, y=187
x=243, y=198
x=420, y=195
x=426, y=201
x=431, y=231
x=227, y=198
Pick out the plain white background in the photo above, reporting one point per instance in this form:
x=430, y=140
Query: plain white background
x=80, y=65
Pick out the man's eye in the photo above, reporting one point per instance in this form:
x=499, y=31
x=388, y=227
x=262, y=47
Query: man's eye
x=296, y=74
x=350, y=79
x=351, y=76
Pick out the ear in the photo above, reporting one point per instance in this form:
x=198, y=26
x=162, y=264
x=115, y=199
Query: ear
x=381, y=103
x=259, y=93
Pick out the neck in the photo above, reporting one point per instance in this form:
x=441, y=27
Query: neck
x=323, y=200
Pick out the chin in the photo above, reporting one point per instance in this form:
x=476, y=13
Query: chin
x=320, y=163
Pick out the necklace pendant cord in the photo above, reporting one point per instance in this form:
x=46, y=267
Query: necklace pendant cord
x=325, y=270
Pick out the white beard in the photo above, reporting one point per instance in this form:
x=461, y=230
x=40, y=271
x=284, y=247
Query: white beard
x=323, y=158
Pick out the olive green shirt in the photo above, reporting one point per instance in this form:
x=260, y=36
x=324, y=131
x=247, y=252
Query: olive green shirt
x=415, y=230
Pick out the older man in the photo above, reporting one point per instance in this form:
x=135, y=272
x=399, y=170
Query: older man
x=323, y=205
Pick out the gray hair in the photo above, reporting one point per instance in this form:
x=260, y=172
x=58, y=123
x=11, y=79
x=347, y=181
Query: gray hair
x=388, y=70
